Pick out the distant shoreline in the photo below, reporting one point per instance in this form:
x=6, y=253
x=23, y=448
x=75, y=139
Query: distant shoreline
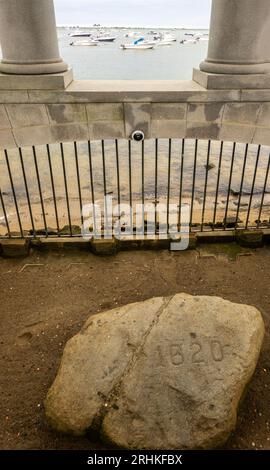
x=134, y=27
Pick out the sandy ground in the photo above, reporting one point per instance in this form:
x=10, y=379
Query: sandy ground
x=45, y=299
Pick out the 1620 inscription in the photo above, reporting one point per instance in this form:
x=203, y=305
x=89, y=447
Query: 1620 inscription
x=195, y=352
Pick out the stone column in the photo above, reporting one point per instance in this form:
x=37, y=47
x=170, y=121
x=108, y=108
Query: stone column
x=239, y=39
x=28, y=38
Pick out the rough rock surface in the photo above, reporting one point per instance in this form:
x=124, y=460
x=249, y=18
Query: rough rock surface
x=167, y=373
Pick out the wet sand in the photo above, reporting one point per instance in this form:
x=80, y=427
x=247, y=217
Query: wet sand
x=180, y=174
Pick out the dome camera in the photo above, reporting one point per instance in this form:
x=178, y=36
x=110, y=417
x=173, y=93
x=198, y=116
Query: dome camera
x=138, y=136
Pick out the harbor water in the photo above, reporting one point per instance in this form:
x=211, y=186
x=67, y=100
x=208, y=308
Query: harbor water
x=108, y=61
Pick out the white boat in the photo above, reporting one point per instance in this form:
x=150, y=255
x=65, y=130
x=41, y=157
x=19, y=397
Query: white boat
x=203, y=39
x=137, y=47
x=133, y=35
x=188, y=41
x=164, y=43
x=168, y=37
x=80, y=34
x=84, y=43
x=150, y=43
x=105, y=38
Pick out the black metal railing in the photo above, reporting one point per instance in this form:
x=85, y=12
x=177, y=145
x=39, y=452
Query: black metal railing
x=43, y=189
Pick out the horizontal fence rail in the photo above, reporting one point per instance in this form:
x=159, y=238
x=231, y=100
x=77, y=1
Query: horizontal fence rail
x=44, y=189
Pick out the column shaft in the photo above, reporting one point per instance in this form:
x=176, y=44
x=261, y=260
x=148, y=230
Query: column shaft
x=239, y=37
x=28, y=38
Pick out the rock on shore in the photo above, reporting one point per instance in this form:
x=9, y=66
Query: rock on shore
x=167, y=373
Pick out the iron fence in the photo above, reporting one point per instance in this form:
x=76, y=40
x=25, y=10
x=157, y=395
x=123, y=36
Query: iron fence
x=44, y=189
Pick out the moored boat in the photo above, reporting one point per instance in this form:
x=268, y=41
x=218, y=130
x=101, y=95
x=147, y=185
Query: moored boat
x=84, y=43
x=188, y=41
x=105, y=38
x=168, y=37
x=164, y=43
x=137, y=47
x=80, y=34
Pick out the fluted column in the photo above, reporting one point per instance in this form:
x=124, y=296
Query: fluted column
x=28, y=38
x=239, y=40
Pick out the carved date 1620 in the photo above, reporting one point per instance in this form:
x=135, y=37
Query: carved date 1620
x=196, y=352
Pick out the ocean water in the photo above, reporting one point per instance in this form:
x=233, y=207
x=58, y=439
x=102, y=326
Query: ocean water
x=108, y=61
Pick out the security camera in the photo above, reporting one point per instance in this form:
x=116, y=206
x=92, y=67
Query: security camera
x=138, y=136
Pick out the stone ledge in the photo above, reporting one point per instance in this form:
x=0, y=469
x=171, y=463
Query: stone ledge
x=126, y=91
x=17, y=247
x=60, y=89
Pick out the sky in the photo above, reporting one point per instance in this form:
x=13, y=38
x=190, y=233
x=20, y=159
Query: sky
x=156, y=13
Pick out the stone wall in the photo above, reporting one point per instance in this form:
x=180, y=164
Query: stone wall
x=113, y=109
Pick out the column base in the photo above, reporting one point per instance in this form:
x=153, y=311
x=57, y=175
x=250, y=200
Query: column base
x=234, y=69
x=224, y=81
x=33, y=68
x=57, y=81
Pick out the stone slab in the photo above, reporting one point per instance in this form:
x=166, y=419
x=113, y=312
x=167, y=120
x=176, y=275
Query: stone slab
x=105, y=112
x=138, y=117
x=7, y=139
x=4, y=121
x=57, y=81
x=241, y=113
x=24, y=115
x=14, y=248
x=169, y=111
x=205, y=112
x=107, y=130
x=66, y=113
x=168, y=128
x=203, y=130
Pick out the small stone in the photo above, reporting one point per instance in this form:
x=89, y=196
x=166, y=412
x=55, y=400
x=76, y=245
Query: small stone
x=249, y=238
x=210, y=166
x=231, y=222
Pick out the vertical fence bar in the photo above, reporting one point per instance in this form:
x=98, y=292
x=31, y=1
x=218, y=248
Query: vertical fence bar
x=229, y=186
x=193, y=181
x=218, y=182
x=181, y=184
x=206, y=183
x=78, y=178
x=66, y=188
x=264, y=192
x=40, y=191
x=117, y=172
x=5, y=213
x=13, y=193
x=53, y=189
x=169, y=184
x=92, y=185
x=241, y=184
x=130, y=186
x=156, y=182
x=27, y=192
x=143, y=198
x=253, y=184
x=104, y=185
